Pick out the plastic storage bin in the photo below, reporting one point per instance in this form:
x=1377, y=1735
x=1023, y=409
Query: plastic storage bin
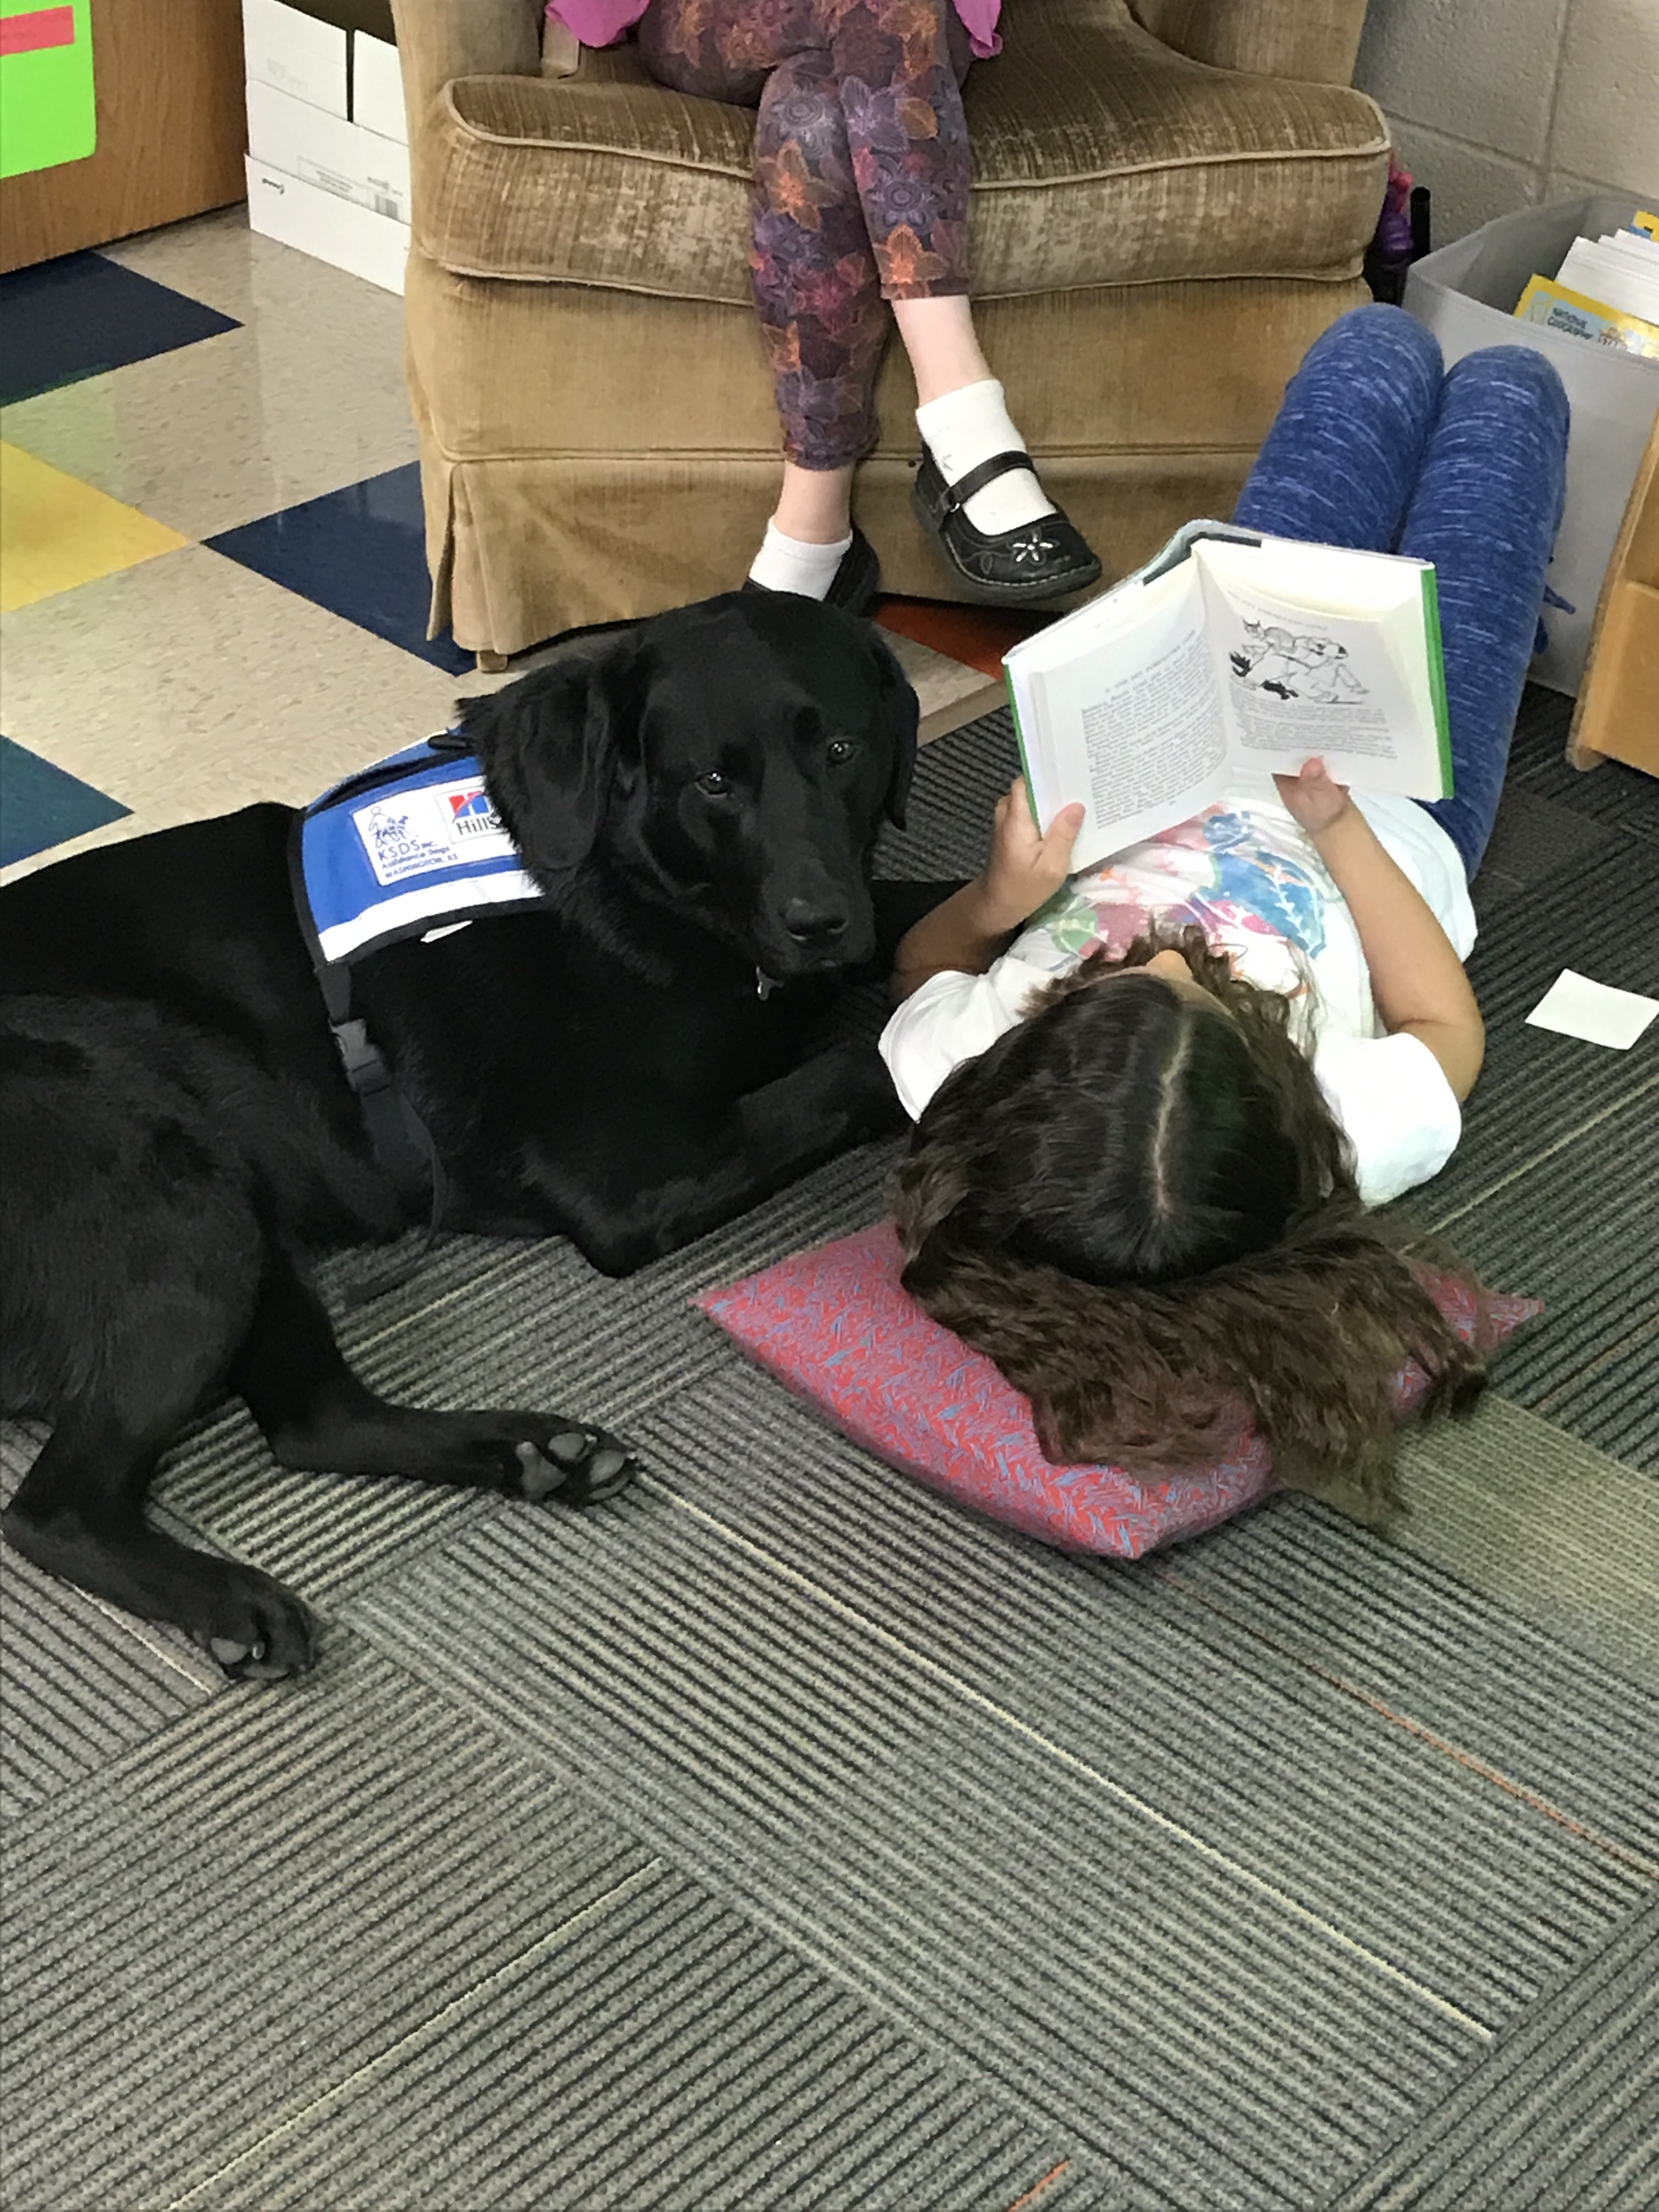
x=1466, y=294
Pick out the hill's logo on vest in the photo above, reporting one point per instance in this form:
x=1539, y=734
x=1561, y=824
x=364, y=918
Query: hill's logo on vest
x=474, y=815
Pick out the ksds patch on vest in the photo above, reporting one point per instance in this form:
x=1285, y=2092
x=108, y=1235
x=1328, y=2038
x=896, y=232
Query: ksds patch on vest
x=445, y=826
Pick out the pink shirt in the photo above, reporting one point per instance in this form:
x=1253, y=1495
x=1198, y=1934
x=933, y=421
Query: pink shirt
x=602, y=22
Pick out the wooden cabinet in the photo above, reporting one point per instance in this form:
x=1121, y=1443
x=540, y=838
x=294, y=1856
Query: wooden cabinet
x=1618, y=712
x=171, y=132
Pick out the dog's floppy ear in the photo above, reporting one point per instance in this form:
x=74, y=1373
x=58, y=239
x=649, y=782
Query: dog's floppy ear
x=900, y=714
x=549, y=745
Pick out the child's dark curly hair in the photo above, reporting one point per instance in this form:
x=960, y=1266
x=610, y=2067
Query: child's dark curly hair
x=1143, y=1210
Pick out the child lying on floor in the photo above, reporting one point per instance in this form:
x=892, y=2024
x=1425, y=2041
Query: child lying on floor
x=1147, y=1130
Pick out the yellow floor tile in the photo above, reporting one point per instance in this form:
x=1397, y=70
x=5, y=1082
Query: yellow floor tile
x=56, y=532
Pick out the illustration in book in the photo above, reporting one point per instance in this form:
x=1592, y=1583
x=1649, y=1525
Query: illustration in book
x=1310, y=666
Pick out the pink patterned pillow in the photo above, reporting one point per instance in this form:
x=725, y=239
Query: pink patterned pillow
x=835, y=1325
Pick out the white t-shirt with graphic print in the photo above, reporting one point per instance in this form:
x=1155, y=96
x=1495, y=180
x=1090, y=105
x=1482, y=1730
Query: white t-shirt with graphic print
x=1251, y=879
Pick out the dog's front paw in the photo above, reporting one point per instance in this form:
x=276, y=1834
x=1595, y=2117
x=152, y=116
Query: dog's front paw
x=253, y=1628
x=531, y=1456
x=569, y=1461
x=871, y=1102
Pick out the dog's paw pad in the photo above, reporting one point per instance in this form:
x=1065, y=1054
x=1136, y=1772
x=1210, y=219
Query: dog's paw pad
x=537, y=1476
x=610, y=1470
x=255, y=1662
x=597, y=1465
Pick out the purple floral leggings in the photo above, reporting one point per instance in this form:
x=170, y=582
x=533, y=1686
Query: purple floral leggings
x=860, y=190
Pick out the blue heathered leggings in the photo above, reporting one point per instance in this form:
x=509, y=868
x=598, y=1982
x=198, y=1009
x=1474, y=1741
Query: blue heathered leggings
x=1376, y=448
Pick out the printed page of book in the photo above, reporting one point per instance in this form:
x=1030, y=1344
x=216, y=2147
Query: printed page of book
x=1131, y=724
x=1323, y=651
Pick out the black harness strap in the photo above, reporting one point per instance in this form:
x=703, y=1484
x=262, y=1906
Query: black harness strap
x=399, y=1139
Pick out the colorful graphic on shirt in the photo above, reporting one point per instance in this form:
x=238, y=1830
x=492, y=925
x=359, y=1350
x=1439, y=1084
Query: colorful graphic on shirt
x=1219, y=870
x=1259, y=888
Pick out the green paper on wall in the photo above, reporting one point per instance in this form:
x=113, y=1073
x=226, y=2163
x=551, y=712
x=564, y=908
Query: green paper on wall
x=48, y=114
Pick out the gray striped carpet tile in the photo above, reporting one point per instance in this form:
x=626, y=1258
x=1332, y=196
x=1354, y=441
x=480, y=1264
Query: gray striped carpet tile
x=1599, y=927
x=262, y=1899
x=1622, y=798
x=517, y=1325
x=1560, y=2114
x=1555, y=1531
x=958, y=781
x=1181, y=2018
x=1594, y=921
x=1133, y=1625
x=697, y=1669
x=79, y=1680
x=1579, y=1229
x=79, y=1683
x=654, y=2053
x=372, y=1289
x=1414, y=1644
x=1537, y=844
x=1428, y=1862
x=1612, y=1398
x=1539, y=1090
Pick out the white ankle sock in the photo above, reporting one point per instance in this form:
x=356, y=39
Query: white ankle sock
x=968, y=426
x=789, y=564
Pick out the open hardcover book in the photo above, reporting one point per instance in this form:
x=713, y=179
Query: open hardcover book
x=1231, y=654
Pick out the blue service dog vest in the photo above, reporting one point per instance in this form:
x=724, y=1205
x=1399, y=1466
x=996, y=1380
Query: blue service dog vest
x=410, y=848
x=407, y=847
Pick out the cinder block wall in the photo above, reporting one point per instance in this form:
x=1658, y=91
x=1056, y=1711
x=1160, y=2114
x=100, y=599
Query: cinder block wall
x=1502, y=104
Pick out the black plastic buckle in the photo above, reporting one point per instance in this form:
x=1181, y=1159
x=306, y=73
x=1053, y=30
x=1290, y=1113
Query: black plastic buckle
x=366, y=1069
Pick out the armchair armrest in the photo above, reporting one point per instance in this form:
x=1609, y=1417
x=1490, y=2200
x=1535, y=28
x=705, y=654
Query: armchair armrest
x=438, y=39
x=1316, y=40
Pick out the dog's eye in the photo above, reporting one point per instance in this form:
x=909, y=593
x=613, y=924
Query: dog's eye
x=840, y=748
x=714, y=785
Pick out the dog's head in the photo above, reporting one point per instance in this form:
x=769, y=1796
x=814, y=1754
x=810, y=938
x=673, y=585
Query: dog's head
x=728, y=764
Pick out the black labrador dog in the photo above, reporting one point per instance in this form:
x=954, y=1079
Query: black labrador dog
x=636, y=1061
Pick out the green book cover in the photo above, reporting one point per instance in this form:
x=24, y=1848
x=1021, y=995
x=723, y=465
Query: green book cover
x=1437, y=677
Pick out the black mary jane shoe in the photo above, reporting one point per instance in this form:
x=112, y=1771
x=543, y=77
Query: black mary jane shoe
x=855, y=582
x=1044, y=560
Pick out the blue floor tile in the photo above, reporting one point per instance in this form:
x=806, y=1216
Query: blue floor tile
x=41, y=806
x=76, y=317
x=360, y=552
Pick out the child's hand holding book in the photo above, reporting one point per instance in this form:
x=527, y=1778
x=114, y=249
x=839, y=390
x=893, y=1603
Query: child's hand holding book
x=1313, y=799
x=1026, y=866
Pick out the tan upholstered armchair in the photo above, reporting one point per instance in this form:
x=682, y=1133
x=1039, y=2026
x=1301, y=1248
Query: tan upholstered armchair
x=1170, y=204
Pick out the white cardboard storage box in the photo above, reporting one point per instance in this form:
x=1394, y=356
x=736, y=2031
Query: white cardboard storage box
x=295, y=54
x=325, y=150
x=377, y=87
x=1466, y=294
x=322, y=223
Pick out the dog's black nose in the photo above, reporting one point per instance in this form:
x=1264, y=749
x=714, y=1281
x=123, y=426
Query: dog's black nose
x=813, y=924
